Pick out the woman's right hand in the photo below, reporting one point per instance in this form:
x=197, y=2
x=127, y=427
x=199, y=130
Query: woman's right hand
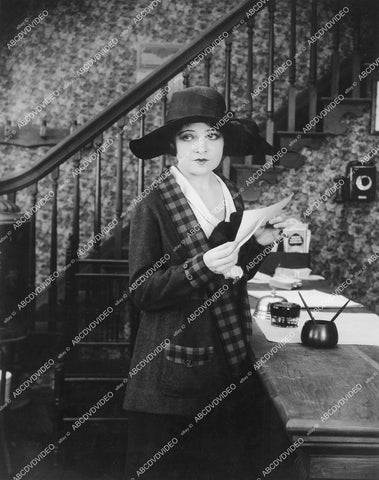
x=222, y=258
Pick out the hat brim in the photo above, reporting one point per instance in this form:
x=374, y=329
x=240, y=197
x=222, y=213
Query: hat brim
x=241, y=138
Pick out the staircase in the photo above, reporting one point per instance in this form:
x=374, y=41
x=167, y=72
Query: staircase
x=93, y=322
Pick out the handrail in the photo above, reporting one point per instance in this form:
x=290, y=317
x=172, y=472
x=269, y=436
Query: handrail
x=120, y=107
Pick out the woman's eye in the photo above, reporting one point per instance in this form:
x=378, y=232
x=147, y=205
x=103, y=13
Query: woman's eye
x=186, y=136
x=213, y=135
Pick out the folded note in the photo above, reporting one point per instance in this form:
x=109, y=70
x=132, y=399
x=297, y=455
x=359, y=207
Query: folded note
x=253, y=219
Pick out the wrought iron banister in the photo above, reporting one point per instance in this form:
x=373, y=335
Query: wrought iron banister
x=120, y=107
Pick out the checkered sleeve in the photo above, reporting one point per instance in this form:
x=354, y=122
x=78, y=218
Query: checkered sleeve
x=196, y=272
x=156, y=280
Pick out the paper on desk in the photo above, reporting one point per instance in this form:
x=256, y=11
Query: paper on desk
x=353, y=328
x=253, y=219
x=313, y=298
x=260, y=277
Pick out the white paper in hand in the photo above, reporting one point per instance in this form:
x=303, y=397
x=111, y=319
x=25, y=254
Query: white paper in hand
x=253, y=219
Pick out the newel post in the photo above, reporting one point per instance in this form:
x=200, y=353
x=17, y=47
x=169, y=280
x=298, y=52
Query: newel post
x=17, y=294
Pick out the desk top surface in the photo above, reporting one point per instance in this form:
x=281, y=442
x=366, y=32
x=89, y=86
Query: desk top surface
x=321, y=394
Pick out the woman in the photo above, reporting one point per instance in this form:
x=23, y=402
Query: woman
x=189, y=414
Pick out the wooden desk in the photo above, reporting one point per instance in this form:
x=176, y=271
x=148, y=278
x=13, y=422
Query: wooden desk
x=303, y=384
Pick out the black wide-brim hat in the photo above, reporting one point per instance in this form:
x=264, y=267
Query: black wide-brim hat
x=202, y=104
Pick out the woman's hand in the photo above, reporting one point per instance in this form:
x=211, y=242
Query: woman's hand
x=221, y=259
x=271, y=231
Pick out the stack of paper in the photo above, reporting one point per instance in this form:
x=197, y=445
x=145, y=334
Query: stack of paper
x=313, y=298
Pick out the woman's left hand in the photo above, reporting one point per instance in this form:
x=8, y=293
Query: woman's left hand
x=271, y=231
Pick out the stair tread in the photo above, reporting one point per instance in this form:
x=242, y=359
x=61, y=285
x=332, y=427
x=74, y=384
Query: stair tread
x=114, y=374
x=299, y=132
x=97, y=419
x=106, y=261
x=93, y=378
x=101, y=275
x=105, y=343
x=350, y=99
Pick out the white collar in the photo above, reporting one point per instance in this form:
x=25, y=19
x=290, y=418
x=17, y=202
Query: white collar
x=206, y=219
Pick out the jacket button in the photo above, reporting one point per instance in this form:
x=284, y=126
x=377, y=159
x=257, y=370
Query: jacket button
x=189, y=363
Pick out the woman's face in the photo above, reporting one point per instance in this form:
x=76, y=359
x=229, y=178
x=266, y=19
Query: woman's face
x=199, y=148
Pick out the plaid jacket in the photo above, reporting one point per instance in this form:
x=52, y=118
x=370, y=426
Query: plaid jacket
x=234, y=329
x=206, y=350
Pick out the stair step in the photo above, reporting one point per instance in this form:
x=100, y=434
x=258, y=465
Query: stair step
x=101, y=275
x=97, y=419
x=241, y=174
x=295, y=140
x=332, y=122
x=71, y=377
x=349, y=100
x=103, y=261
x=295, y=133
x=111, y=343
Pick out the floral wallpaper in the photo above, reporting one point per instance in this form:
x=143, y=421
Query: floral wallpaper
x=344, y=235
x=72, y=33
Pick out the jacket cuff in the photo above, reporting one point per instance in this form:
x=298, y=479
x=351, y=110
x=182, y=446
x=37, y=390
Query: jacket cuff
x=196, y=272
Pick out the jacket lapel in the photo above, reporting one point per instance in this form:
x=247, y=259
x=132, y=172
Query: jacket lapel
x=190, y=232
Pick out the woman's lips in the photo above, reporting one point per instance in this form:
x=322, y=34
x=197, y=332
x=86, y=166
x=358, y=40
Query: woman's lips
x=201, y=161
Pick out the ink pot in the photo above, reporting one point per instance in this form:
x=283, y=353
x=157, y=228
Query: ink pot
x=285, y=314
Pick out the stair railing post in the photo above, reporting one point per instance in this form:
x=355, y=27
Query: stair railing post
x=249, y=76
x=336, y=54
x=207, y=70
x=291, y=126
x=119, y=188
x=186, y=78
x=141, y=162
x=249, y=83
x=356, y=68
x=164, y=111
x=97, y=214
x=270, y=88
x=313, y=65
x=32, y=253
x=228, y=59
x=53, y=291
x=76, y=213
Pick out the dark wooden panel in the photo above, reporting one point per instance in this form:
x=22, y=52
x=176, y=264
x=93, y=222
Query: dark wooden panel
x=351, y=468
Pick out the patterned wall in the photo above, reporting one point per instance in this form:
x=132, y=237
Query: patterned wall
x=74, y=32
